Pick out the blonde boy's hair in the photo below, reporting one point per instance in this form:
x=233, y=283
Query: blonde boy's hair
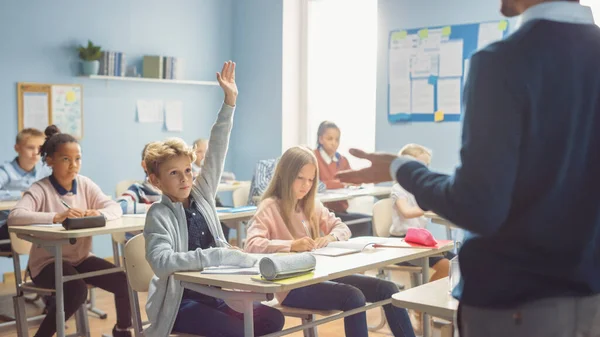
x=414, y=150
x=24, y=134
x=280, y=187
x=159, y=152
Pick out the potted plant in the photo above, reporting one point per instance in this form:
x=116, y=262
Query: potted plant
x=90, y=57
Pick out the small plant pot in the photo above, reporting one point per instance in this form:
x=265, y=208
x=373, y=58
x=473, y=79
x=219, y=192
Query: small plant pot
x=90, y=67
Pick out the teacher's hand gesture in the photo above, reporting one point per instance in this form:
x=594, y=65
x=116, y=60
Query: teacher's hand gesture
x=378, y=172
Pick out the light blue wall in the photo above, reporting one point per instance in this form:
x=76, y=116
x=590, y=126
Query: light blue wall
x=257, y=49
x=442, y=138
x=37, y=39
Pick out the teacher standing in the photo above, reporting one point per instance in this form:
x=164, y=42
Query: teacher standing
x=528, y=186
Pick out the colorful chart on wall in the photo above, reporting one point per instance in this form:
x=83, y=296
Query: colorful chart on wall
x=427, y=68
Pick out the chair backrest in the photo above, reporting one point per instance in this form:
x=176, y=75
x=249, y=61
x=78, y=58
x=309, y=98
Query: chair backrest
x=139, y=272
x=240, y=195
x=19, y=246
x=122, y=186
x=382, y=217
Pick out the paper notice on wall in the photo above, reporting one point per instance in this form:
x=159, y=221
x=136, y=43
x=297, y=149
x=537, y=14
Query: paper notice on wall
x=400, y=97
x=35, y=110
x=399, y=70
x=174, y=116
x=489, y=32
x=150, y=111
x=448, y=95
x=422, y=96
x=451, y=59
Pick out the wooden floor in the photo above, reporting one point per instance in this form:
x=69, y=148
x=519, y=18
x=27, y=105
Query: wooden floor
x=105, y=302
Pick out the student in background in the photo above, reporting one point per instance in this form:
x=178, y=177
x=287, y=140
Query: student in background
x=182, y=233
x=291, y=219
x=19, y=174
x=45, y=202
x=330, y=163
x=407, y=214
x=139, y=196
x=200, y=146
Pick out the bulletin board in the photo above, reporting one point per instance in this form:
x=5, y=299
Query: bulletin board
x=40, y=105
x=427, y=68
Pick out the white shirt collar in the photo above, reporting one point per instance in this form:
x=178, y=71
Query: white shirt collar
x=559, y=11
x=326, y=157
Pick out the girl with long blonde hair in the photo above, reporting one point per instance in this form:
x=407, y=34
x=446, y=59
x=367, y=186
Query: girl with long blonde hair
x=291, y=219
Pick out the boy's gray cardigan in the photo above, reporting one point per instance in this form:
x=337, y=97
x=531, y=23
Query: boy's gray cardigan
x=166, y=233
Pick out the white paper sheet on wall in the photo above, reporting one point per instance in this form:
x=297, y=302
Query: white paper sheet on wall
x=448, y=95
x=400, y=97
x=150, y=111
x=422, y=96
x=35, y=110
x=489, y=32
x=451, y=59
x=174, y=116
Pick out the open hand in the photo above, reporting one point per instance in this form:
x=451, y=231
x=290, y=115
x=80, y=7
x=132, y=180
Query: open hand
x=226, y=80
x=378, y=172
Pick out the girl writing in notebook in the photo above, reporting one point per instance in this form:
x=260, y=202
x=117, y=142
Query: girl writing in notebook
x=290, y=219
x=66, y=194
x=330, y=162
x=183, y=233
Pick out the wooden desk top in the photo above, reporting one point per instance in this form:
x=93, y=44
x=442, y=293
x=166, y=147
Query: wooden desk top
x=125, y=224
x=433, y=298
x=7, y=205
x=328, y=268
x=229, y=187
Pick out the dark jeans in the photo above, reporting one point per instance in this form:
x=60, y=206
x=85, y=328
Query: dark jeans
x=4, y=247
x=75, y=292
x=351, y=292
x=216, y=319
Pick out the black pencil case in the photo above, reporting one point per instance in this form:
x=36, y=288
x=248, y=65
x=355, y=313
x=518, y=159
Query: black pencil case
x=86, y=222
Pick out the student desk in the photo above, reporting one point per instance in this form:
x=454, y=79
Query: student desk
x=8, y=205
x=243, y=291
x=433, y=298
x=53, y=238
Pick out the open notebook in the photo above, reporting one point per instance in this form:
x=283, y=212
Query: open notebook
x=358, y=244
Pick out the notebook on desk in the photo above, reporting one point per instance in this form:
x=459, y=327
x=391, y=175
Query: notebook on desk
x=237, y=209
x=358, y=244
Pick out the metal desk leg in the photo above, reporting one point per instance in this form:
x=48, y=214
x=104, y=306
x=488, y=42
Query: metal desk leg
x=60, y=296
x=248, y=318
x=425, y=278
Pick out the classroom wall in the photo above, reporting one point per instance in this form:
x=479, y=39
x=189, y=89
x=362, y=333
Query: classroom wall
x=257, y=49
x=442, y=138
x=38, y=38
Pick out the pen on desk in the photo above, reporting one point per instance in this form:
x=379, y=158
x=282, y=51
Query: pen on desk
x=306, y=229
x=64, y=203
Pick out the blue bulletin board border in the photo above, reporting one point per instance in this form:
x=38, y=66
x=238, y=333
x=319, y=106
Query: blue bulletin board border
x=469, y=34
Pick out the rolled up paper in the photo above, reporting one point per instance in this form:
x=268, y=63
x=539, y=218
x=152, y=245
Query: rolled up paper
x=278, y=267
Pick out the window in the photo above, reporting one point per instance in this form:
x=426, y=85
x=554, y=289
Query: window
x=342, y=71
x=595, y=5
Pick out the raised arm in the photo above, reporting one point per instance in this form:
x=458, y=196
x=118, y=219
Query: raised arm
x=208, y=181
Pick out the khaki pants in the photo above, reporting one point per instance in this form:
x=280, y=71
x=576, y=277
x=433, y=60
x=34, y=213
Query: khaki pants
x=556, y=317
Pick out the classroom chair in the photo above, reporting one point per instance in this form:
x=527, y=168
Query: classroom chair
x=382, y=220
x=139, y=273
x=123, y=185
x=22, y=247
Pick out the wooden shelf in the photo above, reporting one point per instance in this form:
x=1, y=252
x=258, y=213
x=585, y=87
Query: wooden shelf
x=153, y=80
